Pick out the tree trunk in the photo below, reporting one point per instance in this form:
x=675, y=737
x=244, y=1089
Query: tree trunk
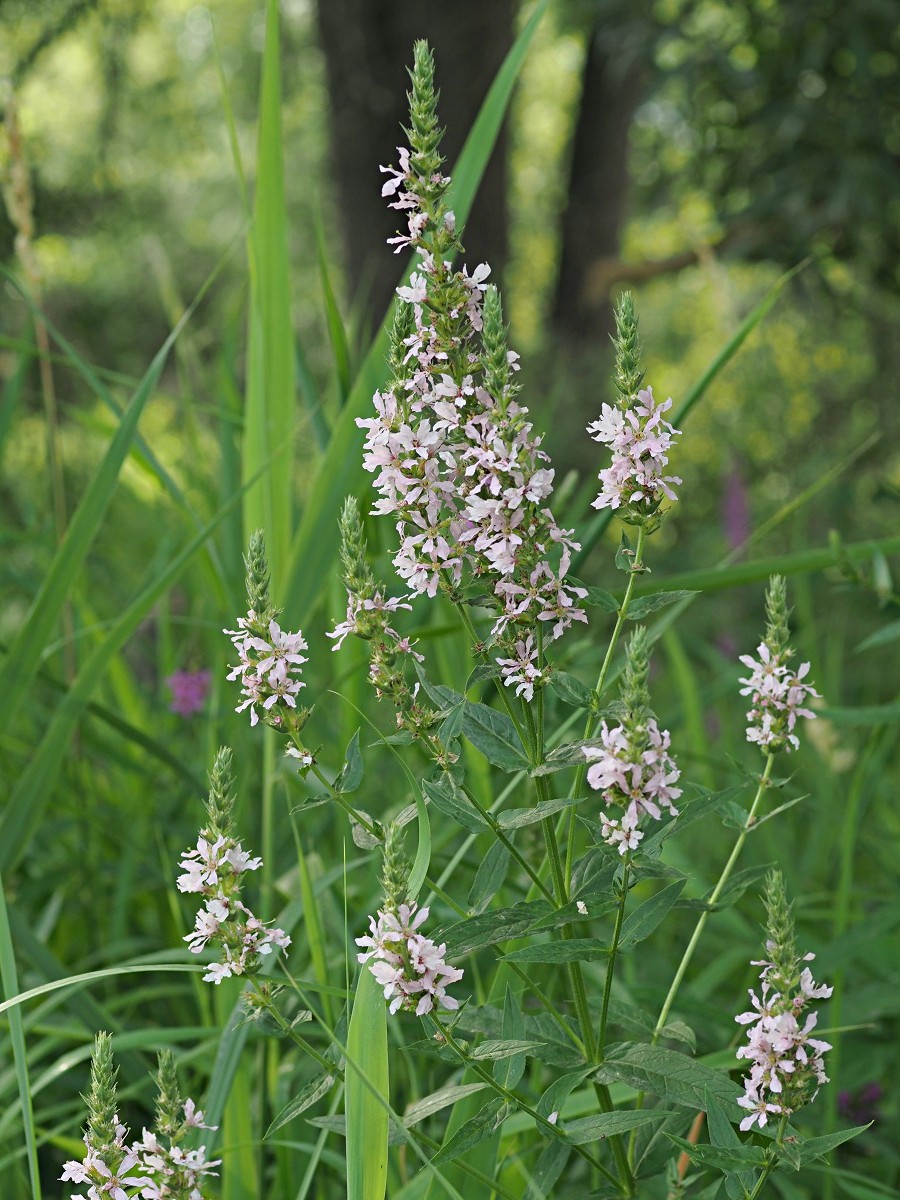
x=597, y=193
x=368, y=47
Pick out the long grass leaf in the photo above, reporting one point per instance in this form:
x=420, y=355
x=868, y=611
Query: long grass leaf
x=314, y=548
x=10, y=982
x=269, y=411
x=800, y=562
x=367, y=1086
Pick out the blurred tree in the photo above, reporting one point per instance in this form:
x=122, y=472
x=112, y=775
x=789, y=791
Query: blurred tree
x=786, y=116
x=368, y=47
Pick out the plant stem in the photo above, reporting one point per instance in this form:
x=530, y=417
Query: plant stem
x=701, y=923
x=613, y=950
x=716, y=893
x=771, y=1164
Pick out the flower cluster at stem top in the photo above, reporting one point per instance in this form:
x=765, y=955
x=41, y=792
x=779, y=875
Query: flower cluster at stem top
x=409, y=966
x=455, y=460
x=787, y=1065
x=214, y=869
x=157, y=1164
x=270, y=659
x=636, y=774
x=777, y=699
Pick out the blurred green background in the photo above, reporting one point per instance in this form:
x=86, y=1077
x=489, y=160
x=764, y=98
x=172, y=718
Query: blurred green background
x=691, y=151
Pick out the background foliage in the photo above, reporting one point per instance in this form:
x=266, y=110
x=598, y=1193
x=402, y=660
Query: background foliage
x=742, y=139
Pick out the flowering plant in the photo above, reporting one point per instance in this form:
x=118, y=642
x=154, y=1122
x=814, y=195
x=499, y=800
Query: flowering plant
x=530, y=1012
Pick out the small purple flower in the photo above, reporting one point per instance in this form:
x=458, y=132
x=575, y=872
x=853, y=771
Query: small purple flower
x=189, y=691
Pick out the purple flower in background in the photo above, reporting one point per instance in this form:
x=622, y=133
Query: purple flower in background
x=735, y=507
x=861, y=1107
x=189, y=691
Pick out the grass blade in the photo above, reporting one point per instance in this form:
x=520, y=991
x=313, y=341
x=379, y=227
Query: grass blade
x=367, y=1087
x=9, y=980
x=269, y=410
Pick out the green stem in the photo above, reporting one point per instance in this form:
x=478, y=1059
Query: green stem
x=771, y=1164
x=373, y=829
x=501, y=836
x=701, y=923
x=716, y=893
x=613, y=951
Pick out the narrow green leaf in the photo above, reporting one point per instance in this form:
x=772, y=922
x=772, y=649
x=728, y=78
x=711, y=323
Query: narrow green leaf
x=477, y=1130
x=10, y=982
x=493, y=733
x=24, y=656
x=489, y=877
x=35, y=786
x=881, y=637
x=498, y=1048
x=590, y=1129
x=642, y=922
x=267, y=464
x=642, y=606
x=571, y=690
x=438, y=1100
x=732, y=1158
x=800, y=562
x=423, y=850
x=305, y=1098
x=813, y=1148
x=499, y=925
x=367, y=1092
x=573, y=950
x=447, y=797
x=516, y=818
x=351, y=775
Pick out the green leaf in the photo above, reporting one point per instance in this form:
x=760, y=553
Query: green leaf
x=482, y=1126
x=509, y=1070
x=493, y=733
x=367, y=1092
x=624, y=555
x=351, y=775
x=489, y=877
x=603, y=1125
x=669, y=1075
x=423, y=850
x=872, y=714
x=573, y=950
x=569, y=754
x=499, y=925
x=733, y=1158
x=597, y=597
x=305, y=1098
x=438, y=1100
x=448, y=798
x=497, y=1048
x=269, y=406
x=571, y=690
x=34, y=788
x=642, y=606
x=813, y=1148
x=642, y=922
x=881, y=637
x=516, y=818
